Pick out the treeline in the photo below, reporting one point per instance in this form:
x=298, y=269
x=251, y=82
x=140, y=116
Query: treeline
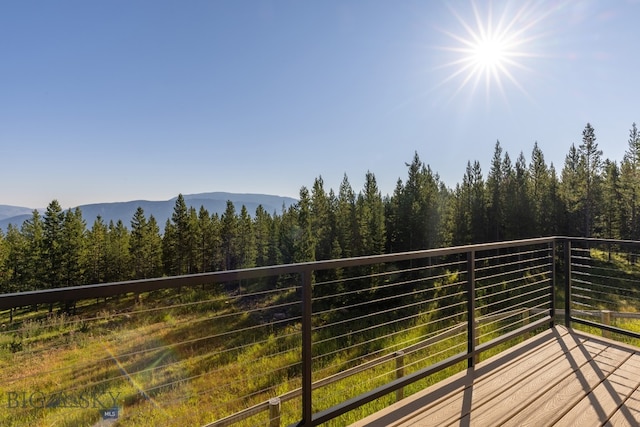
x=591, y=197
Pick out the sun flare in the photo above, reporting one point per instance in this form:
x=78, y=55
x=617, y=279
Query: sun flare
x=490, y=50
x=489, y=54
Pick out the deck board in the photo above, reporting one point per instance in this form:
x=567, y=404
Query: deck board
x=559, y=377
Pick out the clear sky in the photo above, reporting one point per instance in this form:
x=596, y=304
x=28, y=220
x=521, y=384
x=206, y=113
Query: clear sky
x=120, y=100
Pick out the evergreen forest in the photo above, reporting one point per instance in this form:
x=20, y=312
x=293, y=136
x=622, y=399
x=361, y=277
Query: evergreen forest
x=590, y=197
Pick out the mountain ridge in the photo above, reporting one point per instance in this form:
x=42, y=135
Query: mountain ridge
x=214, y=202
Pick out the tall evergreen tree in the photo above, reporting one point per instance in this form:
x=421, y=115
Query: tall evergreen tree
x=610, y=220
x=590, y=177
x=97, y=251
x=370, y=214
x=496, y=198
x=180, y=220
x=570, y=193
x=521, y=203
x=206, y=240
x=53, y=246
x=33, y=231
x=393, y=217
x=246, y=250
x=140, y=245
x=118, y=253
x=477, y=203
x=229, y=237
x=154, y=262
x=541, y=195
x=262, y=230
x=345, y=218
x=73, y=247
x=192, y=258
x=304, y=243
x=321, y=220
x=14, y=261
x=630, y=187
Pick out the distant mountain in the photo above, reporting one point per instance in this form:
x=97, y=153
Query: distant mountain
x=161, y=210
x=7, y=211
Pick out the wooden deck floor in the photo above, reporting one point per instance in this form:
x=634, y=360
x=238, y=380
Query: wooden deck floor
x=558, y=378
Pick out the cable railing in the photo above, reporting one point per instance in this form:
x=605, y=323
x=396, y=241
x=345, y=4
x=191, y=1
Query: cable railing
x=307, y=344
x=602, y=287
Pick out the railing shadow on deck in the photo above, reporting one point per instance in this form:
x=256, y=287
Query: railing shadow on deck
x=311, y=343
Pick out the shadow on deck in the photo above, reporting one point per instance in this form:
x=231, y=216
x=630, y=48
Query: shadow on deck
x=560, y=377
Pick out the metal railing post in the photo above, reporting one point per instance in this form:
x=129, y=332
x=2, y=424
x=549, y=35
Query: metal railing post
x=567, y=283
x=471, y=307
x=274, y=412
x=307, y=411
x=399, y=373
x=552, y=272
x=605, y=319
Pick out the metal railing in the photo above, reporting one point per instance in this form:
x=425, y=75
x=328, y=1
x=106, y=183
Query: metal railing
x=309, y=343
x=602, y=280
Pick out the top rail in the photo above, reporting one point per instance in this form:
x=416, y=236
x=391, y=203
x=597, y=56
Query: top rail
x=45, y=296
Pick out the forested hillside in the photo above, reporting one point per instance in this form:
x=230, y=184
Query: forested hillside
x=591, y=197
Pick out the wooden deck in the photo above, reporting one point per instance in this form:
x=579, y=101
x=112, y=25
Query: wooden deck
x=557, y=378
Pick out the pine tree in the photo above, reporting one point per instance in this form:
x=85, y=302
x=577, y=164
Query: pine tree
x=33, y=231
x=287, y=234
x=609, y=224
x=154, y=263
x=477, y=204
x=206, y=240
x=570, y=193
x=590, y=167
x=14, y=249
x=321, y=220
x=180, y=220
x=496, y=198
x=304, y=242
x=540, y=195
x=262, y=232
x=218, y=262
x=246, y=251
x=52, y=248
x=630, y=187
x=522, y=204
x=73, y=248
x=139, y=245
x=118, y=253
x=229, y=237
x=392, y=219
x=370, y=214
x=97, y=250
x=169, y=249
x=192, y=258
x=345, y=218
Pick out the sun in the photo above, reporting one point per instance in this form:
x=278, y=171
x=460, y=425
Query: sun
x=489, y=54
x=489, y=50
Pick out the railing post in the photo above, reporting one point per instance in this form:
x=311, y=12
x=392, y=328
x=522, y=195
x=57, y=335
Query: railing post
x=567, y=283
x=471, y=307
x=526, y=313
x=307, y=411
x=552, y=272
x=274, y=412
x=605, y=319
x=399, y=373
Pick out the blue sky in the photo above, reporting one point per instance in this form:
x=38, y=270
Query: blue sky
x=120, y=100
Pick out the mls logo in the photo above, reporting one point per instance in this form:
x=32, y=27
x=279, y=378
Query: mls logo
x=109, y=414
